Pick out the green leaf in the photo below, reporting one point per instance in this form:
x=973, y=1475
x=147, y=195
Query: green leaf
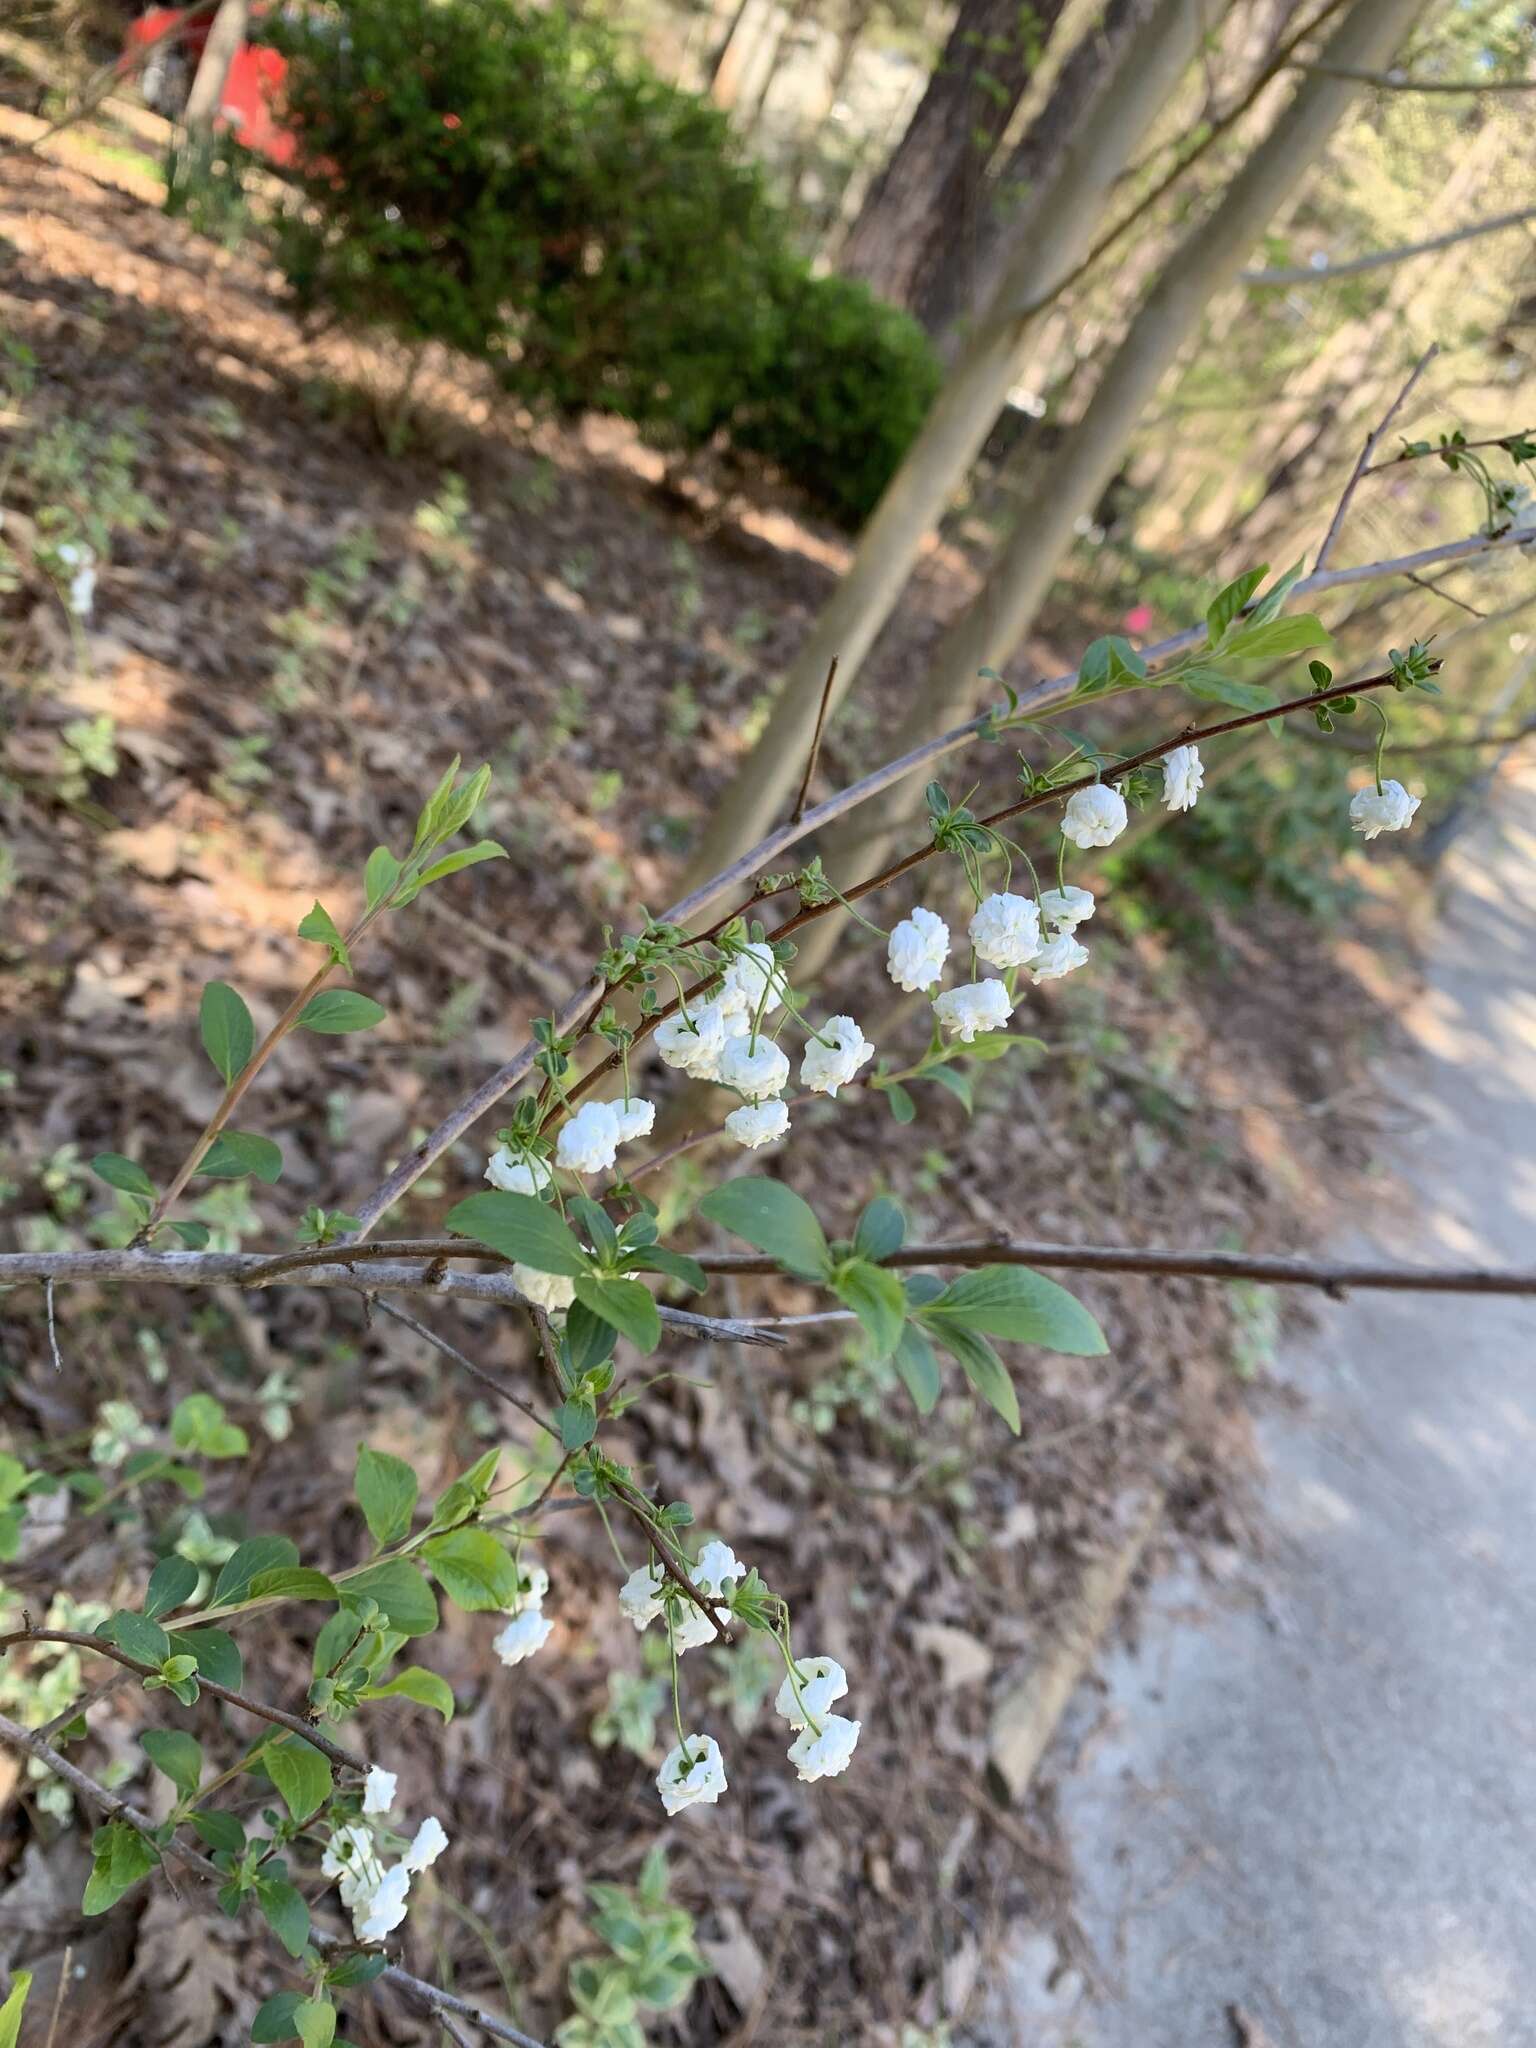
x=880, y=1230
x=593, y=1220
x=450, y=864
x=193, y=1235
x=589, y=1341
x=957, y=1083
x=386, y=1489
x=1269, y=605
x=126, y=1174
x=1228, y=604
x=274, y=2021
x=576, y=1420
x=1277, y=637
x=521, y=1228
x=300, y=1773
x=918, y=1368
x=982, y=1367
x=320, y=926
x=996, y=1045
x=176, y=1756
x=1109, y=664
x=903, y=1108
x=141, y=1638
x=426, y=1688
x=473, y=1569
x=1215, y=688
x=283, y=1907
x=219, y=1831
x=1013, y=1302
x=876, y=1298
x=256, y=1554
x=120, y=1856
x=356, y=1970
x=676, y=1265
x=229, y=1036
x=380, y=875
x=336, y=1010
x=775, y=1219
x=401, y=1591
x=199, y=1424
x=217, y=1654
x=627, y=1304
x=171, y=1582
x=314, y=2021
x=234, y=1154
x=293, y=1582
x=13, y=2008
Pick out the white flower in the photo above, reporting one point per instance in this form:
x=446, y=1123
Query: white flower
x=1006, y=930
x=919, y=947
x=1095, y=816
x=429, y=1843
x=379, y=1790
x=754, y=1070
x=534, y=1584
x=1389, y=809
x=690, y=1627
x=517, y=1176
x=552, y=1292
x=384, y=1909
x=80, y=561
x=694, y=1779
x=637, y=1118
x=751, y=971
x=525, y=1633
x=1183, y=773
x=351, y=1857
x=973, y=1006
x=1065, y=909
x=826, y=1754
x=822, y=1680
x=589, y=1138
x=826, y=1068
x=693, y=1042
x=758, y=1123
x=716, y=1563
x=640, y=1595
x=1058, y=958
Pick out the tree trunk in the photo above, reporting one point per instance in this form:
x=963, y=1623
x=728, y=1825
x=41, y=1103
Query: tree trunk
x=958, y=423
x=224, y=38
x=963, y=268
x=932, y=188
x=988, y=631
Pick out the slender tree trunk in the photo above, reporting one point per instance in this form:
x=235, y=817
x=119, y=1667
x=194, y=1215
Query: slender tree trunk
x=224, y=38
x=933, y=185
x=957, y=425
x=988, y=631
x=723, y=72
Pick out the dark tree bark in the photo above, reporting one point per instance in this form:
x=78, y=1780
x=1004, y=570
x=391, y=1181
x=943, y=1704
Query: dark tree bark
x=934, y=186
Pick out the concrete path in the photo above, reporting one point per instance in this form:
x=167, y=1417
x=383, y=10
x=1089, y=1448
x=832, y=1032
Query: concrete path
x=1305, y=1814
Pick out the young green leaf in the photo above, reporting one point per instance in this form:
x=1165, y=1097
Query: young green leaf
x=126, y=1174
x=775, y=1219
x=473, y=1569
x=386, y=1489
x=336, y=1010
x=982, y=1367
x=219, y=1831
x=141, y=1638
x=918, y=1368
x=256, y=1554
x=274, y=2020
x=1013, y=1302
x=293, y=1582
x=627, y=1304
x=193, y=1235
x=521, y=1228
x=229, y=1036
x=314, y=2021
x=426, y=1688
x=593, y=1220
x=285, y=1912
x=1277, y=637
x=198, y=1424
x=589, y=1341
x=576, y=1420
x=120, y=1856
x=234, y=1154
x=171, y=1582
x=1228, y=603
x=320, y=926
x=217, y=1653
x=880, y=1230
x=300, y=1773
x=13, y=2008
x=902, y=1107
x=1270, y=604
x=401, y=1592
x=1216, y=688
x=676, y=1265
x=176, y=1755
x=380, y=876
x=450, y=864
x=876, y=1298
x=958, y=1085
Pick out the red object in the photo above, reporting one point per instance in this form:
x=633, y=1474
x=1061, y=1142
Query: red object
x=1138, y=618
x=251, y=103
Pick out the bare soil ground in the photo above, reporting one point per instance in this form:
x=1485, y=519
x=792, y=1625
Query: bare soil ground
x=293, y=632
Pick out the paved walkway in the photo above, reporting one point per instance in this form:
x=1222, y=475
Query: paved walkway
x=1307, y=1818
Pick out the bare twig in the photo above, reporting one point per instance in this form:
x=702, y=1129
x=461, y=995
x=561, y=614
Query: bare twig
x=1446, y=596
x=1398, y=81
x=465, y=1364
x=53, y=1329
x=1373, y=442
x=1041, y=698
x=811, y=759
x=278, y=1716
x=1381, y=259
x=1449, y=448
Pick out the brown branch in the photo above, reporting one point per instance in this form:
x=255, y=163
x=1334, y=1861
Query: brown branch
x=635, y=1505
x=1451, y=448
x=1396, y=81
x=821, y=719
x=278, y=1716
x=1373, y=442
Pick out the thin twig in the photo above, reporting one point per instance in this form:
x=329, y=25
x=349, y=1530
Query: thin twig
x=1381, y=259
x=278, y=1716
x=1397, y=81
x=476, y=1372
x=1373, y=442
x=1450, y=448
x=821, y=719
x=53, y=1329
x=1446, y=596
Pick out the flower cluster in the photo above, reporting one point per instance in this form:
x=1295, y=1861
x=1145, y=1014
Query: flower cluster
x=373, y=1890
x=529, y=1629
